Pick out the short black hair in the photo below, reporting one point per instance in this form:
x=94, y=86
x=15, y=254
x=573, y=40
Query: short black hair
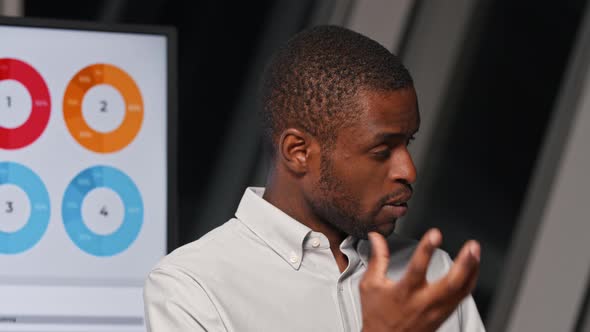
x=310, y=83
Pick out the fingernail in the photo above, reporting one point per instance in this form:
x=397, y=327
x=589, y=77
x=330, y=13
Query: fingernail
x=434, y=238
x=475, y=251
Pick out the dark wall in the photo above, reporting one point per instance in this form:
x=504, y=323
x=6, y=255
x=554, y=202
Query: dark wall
x=500, y=103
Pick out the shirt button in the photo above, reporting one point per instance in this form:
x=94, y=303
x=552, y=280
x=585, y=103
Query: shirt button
x=315, y=242
x=294, y=259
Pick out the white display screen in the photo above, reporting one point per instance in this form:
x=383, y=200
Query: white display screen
x=83, y=176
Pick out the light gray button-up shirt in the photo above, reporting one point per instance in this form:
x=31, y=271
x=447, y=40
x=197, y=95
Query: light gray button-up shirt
x=265, y=271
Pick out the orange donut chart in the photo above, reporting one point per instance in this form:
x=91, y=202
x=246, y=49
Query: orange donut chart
x=91, y=139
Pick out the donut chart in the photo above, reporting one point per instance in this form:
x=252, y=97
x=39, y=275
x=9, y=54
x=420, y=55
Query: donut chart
x=11, y=105
x=84, y=185
x=35, y=222
x=102, y=78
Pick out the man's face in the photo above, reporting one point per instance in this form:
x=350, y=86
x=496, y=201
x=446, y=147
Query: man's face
x=365, y=177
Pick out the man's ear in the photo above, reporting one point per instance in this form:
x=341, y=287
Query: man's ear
x=294, y=150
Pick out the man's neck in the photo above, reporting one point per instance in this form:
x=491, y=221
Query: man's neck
x=289, y=199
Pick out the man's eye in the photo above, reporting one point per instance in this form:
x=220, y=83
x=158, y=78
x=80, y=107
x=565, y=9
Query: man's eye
x=410, y=140
x=382, y=154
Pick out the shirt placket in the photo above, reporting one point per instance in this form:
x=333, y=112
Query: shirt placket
x=345, y=295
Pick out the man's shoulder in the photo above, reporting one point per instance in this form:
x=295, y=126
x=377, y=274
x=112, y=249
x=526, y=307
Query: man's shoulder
x=208, y=252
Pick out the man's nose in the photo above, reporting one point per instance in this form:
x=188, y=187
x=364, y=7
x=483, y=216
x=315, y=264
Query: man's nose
x=402, y=167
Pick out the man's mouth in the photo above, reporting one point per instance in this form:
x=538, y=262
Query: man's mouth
x=399, y=200
x=398, y=209
x=397, y=205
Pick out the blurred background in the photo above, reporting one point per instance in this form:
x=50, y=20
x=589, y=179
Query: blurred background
x=490, y=77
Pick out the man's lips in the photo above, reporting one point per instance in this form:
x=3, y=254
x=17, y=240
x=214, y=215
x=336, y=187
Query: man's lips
x=398, y=209
x=399, y=200
x=398, y=204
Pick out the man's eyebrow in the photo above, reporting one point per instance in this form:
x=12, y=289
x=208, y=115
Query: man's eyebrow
x=387, y=136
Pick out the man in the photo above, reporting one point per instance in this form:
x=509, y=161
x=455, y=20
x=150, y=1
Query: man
x=339, y=111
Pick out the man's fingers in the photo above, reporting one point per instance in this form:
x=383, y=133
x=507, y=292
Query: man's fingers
x=379, y=256
x=461, y=279
x=416, y=272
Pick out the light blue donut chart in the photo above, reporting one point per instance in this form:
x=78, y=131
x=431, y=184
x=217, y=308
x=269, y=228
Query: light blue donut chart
x=99, y=244
x=26, y=237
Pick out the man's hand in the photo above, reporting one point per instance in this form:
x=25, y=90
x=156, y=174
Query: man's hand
x=413, y=304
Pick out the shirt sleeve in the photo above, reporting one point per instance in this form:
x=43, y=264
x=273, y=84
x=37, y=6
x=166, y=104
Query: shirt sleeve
x=469, y=318
x=175, y=301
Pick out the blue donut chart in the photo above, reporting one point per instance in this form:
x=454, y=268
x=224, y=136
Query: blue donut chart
x=99, y=244
x=26, y=237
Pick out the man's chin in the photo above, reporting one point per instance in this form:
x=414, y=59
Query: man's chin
x=384, y=229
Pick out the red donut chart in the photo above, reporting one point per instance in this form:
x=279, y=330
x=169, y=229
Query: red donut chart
x=28, y=132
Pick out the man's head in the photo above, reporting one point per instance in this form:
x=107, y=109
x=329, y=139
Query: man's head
x=338, y=112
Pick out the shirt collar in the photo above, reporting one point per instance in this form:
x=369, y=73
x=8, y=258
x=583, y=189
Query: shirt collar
x=279, y=231
x=395, y=242
x=363, y=247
